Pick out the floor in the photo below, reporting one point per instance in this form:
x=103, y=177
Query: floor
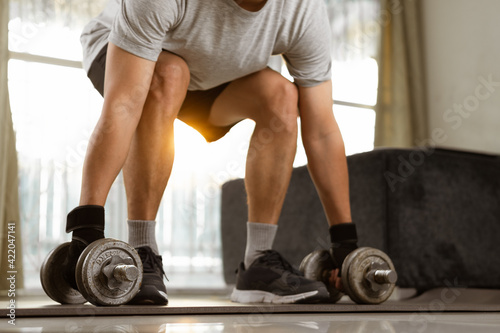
x=419, y=320
x=352, y=323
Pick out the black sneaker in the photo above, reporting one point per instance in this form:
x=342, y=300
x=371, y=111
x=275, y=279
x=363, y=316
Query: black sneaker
x=153, y=290
x=271, y=279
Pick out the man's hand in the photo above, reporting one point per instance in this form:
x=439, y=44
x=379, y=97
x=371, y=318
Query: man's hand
x=336, y=280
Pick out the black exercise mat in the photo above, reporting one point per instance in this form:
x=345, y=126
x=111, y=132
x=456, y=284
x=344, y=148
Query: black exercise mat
x=433, y=301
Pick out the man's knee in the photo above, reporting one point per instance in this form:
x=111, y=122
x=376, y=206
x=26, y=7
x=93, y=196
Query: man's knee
x=170, y=78
x=281, y=104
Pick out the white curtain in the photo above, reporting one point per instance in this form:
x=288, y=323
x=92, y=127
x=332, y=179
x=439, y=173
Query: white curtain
x=10, y=232
x=402, y=99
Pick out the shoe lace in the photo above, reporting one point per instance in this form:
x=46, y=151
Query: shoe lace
x=150, y=261
x=274, y=259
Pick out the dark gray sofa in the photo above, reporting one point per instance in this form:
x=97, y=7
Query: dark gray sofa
x=436, y=213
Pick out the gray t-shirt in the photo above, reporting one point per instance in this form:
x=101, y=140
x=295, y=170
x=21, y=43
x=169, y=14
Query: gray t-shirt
x=219, y=40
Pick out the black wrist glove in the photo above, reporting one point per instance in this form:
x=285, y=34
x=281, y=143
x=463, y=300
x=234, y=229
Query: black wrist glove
x=344, y=241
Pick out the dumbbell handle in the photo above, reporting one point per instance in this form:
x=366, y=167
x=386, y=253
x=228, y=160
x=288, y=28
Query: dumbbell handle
x=124, y=273
x=383, y=276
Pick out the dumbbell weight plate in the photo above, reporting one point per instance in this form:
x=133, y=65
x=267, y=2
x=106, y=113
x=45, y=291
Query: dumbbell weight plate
x=354, y=276
x=92, y=272
x=316, y=266
x=52, y=280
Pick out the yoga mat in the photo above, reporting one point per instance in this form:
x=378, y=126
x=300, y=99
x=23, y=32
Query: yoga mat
x=433, y=301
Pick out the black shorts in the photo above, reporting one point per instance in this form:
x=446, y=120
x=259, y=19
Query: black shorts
x=194, y=111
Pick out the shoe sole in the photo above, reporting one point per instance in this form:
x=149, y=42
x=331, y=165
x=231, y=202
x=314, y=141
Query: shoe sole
x=259, y=296
x=150, y=295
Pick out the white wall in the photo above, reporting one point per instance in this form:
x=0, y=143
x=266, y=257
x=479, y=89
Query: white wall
x=462, y=53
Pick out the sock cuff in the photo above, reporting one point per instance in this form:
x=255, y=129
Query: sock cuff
x=260, y=237
x=142, y=233
x=262, y=226
x=140, y=221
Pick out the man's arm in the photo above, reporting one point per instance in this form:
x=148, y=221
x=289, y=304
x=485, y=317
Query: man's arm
x=325, y=151
x=126, y=86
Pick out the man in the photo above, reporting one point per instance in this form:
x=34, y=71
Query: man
x=205, y=62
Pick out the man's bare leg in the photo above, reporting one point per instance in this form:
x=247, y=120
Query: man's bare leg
x=149, y=163
x=148, y=167
x=271, y=101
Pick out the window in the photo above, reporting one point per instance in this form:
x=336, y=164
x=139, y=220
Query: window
x=356, y=38
x=55, y=108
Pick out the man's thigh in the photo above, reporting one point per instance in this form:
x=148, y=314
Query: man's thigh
x=246, y=98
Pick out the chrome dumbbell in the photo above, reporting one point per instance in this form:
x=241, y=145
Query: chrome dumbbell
x=108, y=272
x=368, y=274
